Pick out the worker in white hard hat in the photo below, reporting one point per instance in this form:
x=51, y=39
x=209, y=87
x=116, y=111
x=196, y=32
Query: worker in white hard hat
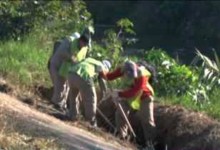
x=81, y=80
x=70, y=50
x=137, y=97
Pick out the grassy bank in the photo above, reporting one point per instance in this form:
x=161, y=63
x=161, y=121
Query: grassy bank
x=211, y=107
x=25, y=62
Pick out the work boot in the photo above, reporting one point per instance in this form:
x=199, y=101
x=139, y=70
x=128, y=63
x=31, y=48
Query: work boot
x=60, y=107
x=93, y=125
x=70, y=116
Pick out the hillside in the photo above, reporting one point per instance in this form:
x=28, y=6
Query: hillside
x=23, y=127
x=187, y=93
x=177, y=128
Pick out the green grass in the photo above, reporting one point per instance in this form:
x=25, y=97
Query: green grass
x=212, y=108
x=25, y=62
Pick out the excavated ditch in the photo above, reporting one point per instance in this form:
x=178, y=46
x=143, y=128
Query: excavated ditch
x=177, y=127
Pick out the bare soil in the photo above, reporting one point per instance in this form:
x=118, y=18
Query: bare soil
x=22, y=110
x=177, y=128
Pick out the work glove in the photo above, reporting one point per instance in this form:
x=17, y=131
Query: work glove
x=103, y=74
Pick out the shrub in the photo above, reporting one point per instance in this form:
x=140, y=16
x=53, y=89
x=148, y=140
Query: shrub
x=17, y=18
x=173, y=78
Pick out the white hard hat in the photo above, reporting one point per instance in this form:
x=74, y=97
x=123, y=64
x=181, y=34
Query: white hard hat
x=91, y=29
x=130, y=69
x=107, y=64
x=74, y=36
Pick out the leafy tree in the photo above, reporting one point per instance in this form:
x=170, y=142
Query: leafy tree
x=60, y=17
x=111, y=46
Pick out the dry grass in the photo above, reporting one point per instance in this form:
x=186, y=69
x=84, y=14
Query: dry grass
x=17, y=135
x=13, y=138
x=100, y=132
x=22, y=127
x=18, y=141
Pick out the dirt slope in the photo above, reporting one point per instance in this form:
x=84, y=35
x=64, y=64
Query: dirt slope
x=177, y=128
x=182, y=129
x=34, y=121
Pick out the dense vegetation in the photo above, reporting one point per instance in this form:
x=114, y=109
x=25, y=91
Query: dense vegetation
x=175, y=26
x=29, y=29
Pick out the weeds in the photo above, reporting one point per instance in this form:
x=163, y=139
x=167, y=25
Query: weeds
x=24, y=63
x=14, y=135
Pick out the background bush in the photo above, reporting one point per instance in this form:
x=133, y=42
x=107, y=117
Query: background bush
x=59, y=18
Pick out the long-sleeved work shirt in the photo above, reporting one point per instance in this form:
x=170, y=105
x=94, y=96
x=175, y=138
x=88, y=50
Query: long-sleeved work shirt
x=140, y=83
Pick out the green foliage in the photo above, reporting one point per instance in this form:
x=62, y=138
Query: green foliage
x=57, y=17
x=174, y=79
x=24, y=60
x=210, y=69
x=209, y=77
x=24, y=63
x=14, y=19
x=112, y=44
x=187, y=85
x=33, y=26
x=125, y=24
x=212, y=108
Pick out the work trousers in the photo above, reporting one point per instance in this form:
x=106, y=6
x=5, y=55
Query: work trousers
x=60, y=87
x=87, y=92
x=60, y=84
x=145, y=114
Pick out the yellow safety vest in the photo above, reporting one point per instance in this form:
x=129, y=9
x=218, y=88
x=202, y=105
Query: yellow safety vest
x=87, y=68
x=135, y=101
x=81, y=54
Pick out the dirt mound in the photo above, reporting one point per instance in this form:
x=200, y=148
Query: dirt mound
x=177, y=128
x=182, y=129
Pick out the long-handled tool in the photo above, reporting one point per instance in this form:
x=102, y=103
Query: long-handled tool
x=103, y=88
x=119, y=106
x=125, y=117
x=105, y=118
x=123, y=113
